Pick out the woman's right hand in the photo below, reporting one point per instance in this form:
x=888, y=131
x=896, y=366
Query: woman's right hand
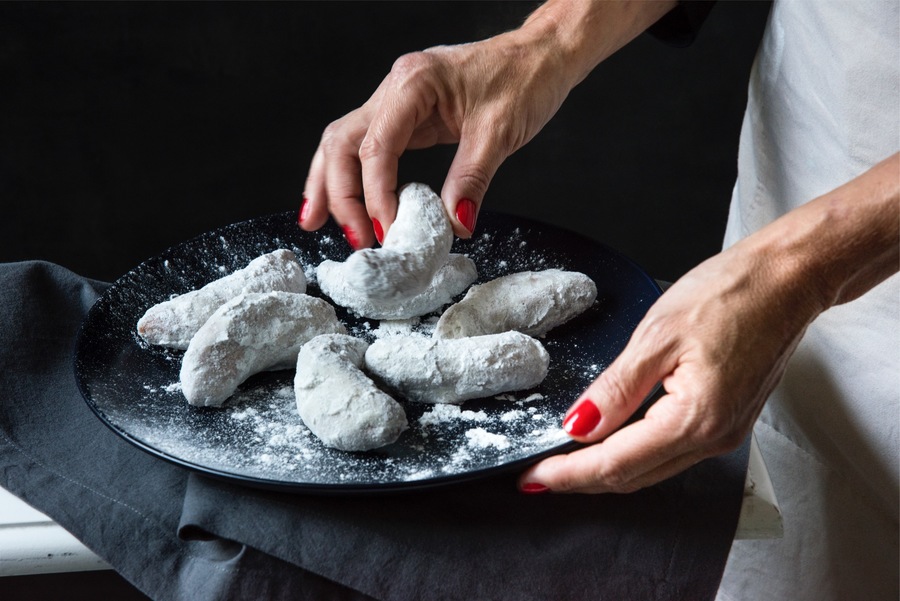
x=490, y=97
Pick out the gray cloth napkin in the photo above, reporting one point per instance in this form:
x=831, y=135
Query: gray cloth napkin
x=177, y=535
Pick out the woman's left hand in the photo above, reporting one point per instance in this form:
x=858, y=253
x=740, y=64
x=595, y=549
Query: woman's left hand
x=718, y=340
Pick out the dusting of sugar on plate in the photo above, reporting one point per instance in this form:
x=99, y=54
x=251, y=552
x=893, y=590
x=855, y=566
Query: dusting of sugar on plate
x=258, y=434
x=481, y=438
x=443, y=413
x=512, y=415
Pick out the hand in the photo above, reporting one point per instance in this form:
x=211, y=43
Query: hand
x=718, y=340
x=491, y=97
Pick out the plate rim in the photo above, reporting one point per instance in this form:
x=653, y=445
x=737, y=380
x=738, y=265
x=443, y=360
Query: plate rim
x=337, y=488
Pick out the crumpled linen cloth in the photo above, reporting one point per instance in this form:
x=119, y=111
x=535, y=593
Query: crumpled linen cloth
x=177, y=535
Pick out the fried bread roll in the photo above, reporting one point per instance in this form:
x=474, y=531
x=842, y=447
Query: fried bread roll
x=338, y=402
x=174, y=322
x=416, y=246
x=531, y=302
x=455, y=276
x=452, y=371
x=251, y=333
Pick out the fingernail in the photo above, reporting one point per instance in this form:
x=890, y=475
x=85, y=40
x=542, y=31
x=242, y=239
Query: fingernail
x=534, y=488
x=379, y=231
x=304, y=211
x=350, y=235
x=583, y=419
x=465, y=212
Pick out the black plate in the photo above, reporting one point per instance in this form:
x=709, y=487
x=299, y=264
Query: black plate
x=258, y=437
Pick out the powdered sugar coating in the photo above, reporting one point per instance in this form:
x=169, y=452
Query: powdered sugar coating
x=451, y=279
x=452, y=371
x=258, y=436
x=251, y=333
x=416, y=246
x=531, y=302
x=338, y=402
x=174, y=322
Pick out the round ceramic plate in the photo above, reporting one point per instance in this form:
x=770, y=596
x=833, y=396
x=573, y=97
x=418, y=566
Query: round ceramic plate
x=258, y=438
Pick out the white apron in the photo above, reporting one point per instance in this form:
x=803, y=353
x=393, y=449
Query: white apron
x=824, y=106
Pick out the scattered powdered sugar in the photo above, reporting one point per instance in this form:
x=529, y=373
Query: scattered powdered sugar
x=481, y=438
x=443, y=413
x=259, y=434
x=420, y=474
x=309, y=270
x=397, y=327
x=512, y=415
x=421, y=327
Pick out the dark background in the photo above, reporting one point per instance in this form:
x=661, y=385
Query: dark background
x=127, y=128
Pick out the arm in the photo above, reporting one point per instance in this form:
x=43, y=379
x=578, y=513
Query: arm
x=720, y=337
x=490, y=97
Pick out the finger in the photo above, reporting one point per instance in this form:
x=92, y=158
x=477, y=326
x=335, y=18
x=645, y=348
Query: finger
x=635, y=456
x=402, y=109
x=667, y=470
x=477, y=159
x=343, y=179
x=314, y=208
x=537, y=480
x=617, y=393
x=379, y=176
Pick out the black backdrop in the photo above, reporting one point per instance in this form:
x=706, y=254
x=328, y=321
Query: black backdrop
x=126, y=128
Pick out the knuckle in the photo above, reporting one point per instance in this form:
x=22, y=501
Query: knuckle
x=562, y=470
x=729, y=442
x=369, y=148
x=507, y=134
x=614, y=393
x=475, y=178
x=332, y=137
x=654, y=327
x=718, y=433
x=412, y=65
x=616, y=479
x=710, y=430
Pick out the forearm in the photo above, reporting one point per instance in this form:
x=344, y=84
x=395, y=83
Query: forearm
x=839, y=245
x=582, y=33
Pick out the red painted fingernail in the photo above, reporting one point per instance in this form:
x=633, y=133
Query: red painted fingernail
x=379, y=231
x=465, y=212
x=534, y=488
x=350, y=235
x=583, y=419
x=304, y=211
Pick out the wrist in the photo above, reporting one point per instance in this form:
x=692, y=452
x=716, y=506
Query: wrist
x=838, y=246
x=580, y=34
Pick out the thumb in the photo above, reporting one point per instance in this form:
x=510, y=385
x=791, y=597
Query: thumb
x=616, y=394
x=476, y=161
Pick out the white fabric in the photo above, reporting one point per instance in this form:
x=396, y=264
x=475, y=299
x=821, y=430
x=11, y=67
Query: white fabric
x=824, y=107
